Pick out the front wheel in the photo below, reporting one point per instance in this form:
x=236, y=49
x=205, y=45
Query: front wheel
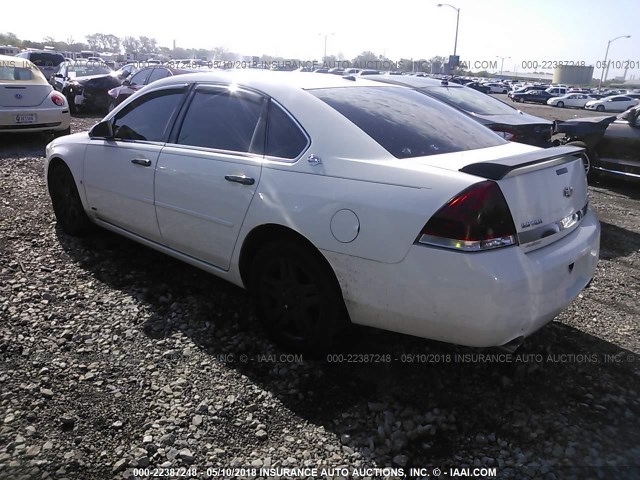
x=297, y=297
x=67, y=205
x=560, y=104
x=600, y=108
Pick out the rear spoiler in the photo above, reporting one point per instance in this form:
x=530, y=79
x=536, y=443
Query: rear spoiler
x=523, y=163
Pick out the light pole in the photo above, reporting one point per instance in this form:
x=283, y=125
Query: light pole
x=605, y=58
x=455, y=44
x=325, y=35
x=502, y=63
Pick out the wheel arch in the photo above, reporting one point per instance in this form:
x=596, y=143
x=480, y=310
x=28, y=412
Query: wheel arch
x=55, y=162
x=266, y=233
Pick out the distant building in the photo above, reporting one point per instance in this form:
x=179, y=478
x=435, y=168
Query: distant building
x=9, y=50
x=573, y=75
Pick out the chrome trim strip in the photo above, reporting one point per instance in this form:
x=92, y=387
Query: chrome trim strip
x=615, y=172
x=553, y=228
x=467, y=245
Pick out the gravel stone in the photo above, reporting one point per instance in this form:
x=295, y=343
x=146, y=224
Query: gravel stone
x=115, y=356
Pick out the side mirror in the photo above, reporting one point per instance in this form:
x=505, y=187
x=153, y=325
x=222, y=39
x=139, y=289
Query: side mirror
x=126, y=83
x=58, y=75
x=125, y=74
x=101, y=130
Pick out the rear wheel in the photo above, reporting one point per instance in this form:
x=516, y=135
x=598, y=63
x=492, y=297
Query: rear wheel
x=587, y=159
x=67, y=205
x=297, y=297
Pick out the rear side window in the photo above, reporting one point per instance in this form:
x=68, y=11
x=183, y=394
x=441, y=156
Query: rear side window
x=149, y=116
x=407, y=123
x=284, y=137
x=222, y=119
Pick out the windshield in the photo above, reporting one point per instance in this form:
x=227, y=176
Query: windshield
x=408, y=123
x=470, y=100
x=86, y=70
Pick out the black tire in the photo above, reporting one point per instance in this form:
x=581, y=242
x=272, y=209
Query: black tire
x=297, y=297
x=600, y=108
x=62, y=133
x=560, y=104
x=67, y=205
x=588, y=157
x=73, y=108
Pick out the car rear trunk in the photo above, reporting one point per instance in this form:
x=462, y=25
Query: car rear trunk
x=23, y=95
x=545, y=189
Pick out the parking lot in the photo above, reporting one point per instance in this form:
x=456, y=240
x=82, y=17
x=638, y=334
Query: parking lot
x=116, y=356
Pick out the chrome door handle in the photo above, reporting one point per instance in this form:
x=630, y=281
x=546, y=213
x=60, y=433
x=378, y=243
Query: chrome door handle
x=243, y=179
x=145, y=162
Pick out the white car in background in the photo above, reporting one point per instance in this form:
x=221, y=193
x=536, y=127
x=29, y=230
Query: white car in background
x=615, y=103
x=335, y=201
x=577, y=100
x=27, y=102
x=496, y=87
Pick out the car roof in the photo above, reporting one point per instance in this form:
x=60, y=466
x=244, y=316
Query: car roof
x=267, y=80
x=411, y=81
x=10, y=58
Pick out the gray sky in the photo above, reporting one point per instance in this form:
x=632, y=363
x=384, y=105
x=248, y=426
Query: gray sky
x=525, y=30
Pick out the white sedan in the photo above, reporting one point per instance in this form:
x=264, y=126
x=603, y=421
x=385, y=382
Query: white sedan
x=335, y=202
x=496, y=87
x=615, y=103
x=27, y=102
x=577, y=100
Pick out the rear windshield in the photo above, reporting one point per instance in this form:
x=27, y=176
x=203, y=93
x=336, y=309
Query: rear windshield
x=407, y=123
x=19, y=70
x=471, y=100
x=44, y=59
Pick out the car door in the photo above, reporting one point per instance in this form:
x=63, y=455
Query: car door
x=621, y=140
x=208, y=172
x=119, y=172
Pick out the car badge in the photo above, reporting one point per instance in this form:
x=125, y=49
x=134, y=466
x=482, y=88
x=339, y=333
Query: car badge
x=18, y=96
x=567, y=192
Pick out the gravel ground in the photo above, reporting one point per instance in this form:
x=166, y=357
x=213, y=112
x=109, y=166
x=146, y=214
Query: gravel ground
x=114, y=356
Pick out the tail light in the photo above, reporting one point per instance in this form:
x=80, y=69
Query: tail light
x=505, y=134
x=476, y=219
x=58, y=100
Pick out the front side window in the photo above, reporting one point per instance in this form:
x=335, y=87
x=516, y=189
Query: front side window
x=140, y=77
x=407, y=123
x=148, y=118
x=224, y=119
x=157, y=74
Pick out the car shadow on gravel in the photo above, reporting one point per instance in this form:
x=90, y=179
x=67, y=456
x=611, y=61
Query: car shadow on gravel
x=616, y=241
x=565, y=398
x=23, y=144
x=627, y=188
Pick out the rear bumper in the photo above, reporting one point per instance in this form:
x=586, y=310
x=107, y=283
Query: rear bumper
x=47, y=119
x=482, y=299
